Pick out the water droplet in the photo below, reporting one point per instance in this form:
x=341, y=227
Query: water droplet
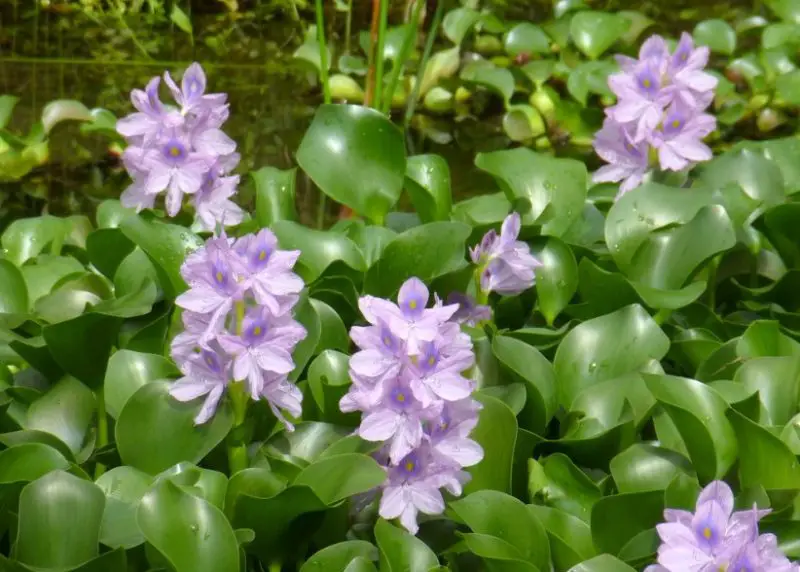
x=592, y=367
x=194, y=528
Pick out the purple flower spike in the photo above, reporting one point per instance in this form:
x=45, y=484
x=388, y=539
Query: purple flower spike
x=659, y=113
x=409, y=383
x=507, y=265
x=228, y=336
x=717, y=538
x=181, y=152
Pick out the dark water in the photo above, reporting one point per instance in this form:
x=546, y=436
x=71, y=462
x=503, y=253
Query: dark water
x=54, y=52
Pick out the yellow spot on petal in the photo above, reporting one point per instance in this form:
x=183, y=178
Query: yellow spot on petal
x=387, y=341
x=410, y=466
x=647, y=83
x=707, y=533
x=412, y=304
x=676, y=123
x=219, y=276
x=262, y=255
x=431, y=360
x=401, y=397
x=174, y=151
x=257, y=331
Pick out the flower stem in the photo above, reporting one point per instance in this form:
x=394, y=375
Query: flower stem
x=323, y=51
x=102, y=428
x=378, y=91
x=405, y=50
x=237, y=442
x=423, y=63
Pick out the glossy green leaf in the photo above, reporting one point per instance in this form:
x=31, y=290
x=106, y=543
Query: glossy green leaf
x=151, y=413
x=338, y=477
x=526, y=38
x=496, y=433
x=25, y=238
x=546, y=190
x=556, y=278
x=65, y=535
x=481, y=211
x=166, y=245
x=458, y=22
x=192, y=534
x=46, y=272
x=345, y=139
x=318, y=249
x=13, y=291
x=643, y=467
x=698, y=412
x=523, y=123
x=65, y=411
x=29, y=461
x=524, y=363
x=607, y=347
x=602, y=563
x=777, y=380
x=717, y=34
x=124, y=487
x=127, y=371
x=562, y=485
x=275, y=195
x=570, y=537
x=441, y=65
x=497, y=554
x=428, y=184
x=402, y=552
x=486, y=74
x=329, y=381
x=427, y=252
x=590, y=77
x=63, y=110
x=7, y=104
x=504, y=517
x=338, y=557
x=618, y=518
x=595, y=32
x=788, y=10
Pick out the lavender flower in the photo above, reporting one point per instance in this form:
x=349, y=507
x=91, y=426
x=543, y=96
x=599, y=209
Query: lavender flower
x=228, y=337
x=181, y=151
x=658, y=118
x=469, y=311
x=408, y=382
x=505, y=264
x=715, y=537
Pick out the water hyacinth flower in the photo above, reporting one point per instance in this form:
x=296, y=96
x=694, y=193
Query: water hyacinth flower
x=229, y=336
x=181, y=151
x=715, y=537
x=408, y=382
x=506, y=264
x=659, y=119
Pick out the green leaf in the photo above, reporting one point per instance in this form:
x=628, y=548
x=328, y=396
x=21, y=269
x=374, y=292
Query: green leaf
x=371, y=240
x=318, y=249
x=547, y=191
x=595, y=32
x=563, y=485
x=66, y=411
x=523, y=123
x=402, y=552
x=347, y=139
x=46, y=272
x=67, y=343
x=25, y=238
x=309, y=50
x=606, y=347
x=338, y=477
x=504, y=517
x=617, y=519
x=524, y=363
x=590, y=77
x=777, y=381
x=526, y=38
x=496, y=433
x=482, y=211
x=13, y=291
x=441, y=65
x=698, y=412
x=642, y=467
x=556, y=278
x=427, y=252
x=497, y=554
x=787, y=10
x=538, y=71
x=275, y=195
x=180, y=19
x=778, y=35
x=124, y=487
x=764, y=459
x=151, y=413
x=717, y=34
x=570, y=537
x=65, y=535
x=337, y=558
x=192, y=534
x=329, y=381
x=7, y=103
x=486, y=74
x=602, y=563
x=127, y=371
x=428, y=184
x=787, y=87
x=459, y=22
x=166, y=245
x=29, y=461
x=63, y=110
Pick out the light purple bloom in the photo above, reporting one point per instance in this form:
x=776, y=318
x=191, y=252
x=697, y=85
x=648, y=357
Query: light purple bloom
x=181, y=152
x=658, y=114
x=469, y=311
x=507, y=265
x=205, y=374
x=715, y=537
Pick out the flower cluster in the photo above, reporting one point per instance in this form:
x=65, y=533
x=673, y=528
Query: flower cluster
x=408, y=382
x=238, y=323
x=659, y=112
x=181, y=151
x=716, y=538
x=506, y=264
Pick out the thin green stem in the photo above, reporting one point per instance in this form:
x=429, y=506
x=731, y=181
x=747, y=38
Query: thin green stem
x=423, y=63
x=405, y=51
x=348, y=24
x=662, y=316
x=323, y=51
x=237, y=443
x=102, y=428
x=384, y=13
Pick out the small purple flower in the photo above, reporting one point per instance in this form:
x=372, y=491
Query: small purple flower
x=213, y=205
x=192, y=96
x=689, y=83
x=507, y=265
x=627, y=161
x=449, y=434
x=641, y=98
x=680, y=141
x=282, y=394
x=469, y=311
x=205, y=373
